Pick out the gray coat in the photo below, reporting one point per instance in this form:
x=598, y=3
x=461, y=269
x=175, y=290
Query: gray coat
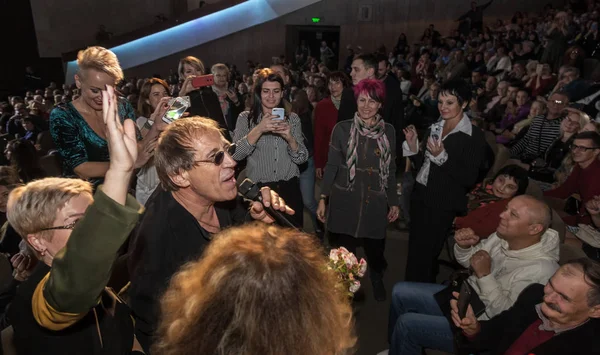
x=362, y=211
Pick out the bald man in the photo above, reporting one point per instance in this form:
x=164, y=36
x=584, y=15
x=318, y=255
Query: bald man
x=522, y=251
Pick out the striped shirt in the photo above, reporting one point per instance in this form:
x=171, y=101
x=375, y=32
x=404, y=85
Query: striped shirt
x=540, y=136
x=271, y=158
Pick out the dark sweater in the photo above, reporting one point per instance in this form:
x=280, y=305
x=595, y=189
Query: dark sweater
x=500, y=332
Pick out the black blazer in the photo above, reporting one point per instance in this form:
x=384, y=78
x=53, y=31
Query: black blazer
x=448, y=185
x=500, y=332
x=166, y=237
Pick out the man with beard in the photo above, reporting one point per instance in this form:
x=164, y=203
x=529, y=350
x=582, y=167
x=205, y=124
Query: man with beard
x=559, y=318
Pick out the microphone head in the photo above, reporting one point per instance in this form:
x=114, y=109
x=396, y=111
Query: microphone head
x=248, y=189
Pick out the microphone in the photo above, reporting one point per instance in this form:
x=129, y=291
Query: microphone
x=249, y=190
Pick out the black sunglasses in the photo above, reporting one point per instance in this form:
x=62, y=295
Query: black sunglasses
x=220, y=156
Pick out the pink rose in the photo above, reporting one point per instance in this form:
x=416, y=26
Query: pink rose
x=354, y=286
x=333, y=255
x=362, y=267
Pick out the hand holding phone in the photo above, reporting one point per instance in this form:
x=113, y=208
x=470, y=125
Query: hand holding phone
x=203, y=80
x=177, y=107
x=464, y=297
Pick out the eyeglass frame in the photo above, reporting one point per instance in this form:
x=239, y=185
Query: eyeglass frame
x=229, y=150
x=574, y=146
x=66, y=226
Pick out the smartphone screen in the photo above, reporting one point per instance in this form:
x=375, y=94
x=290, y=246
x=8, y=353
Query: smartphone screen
x=176, y=110
x=279, y=112
x=436, y=132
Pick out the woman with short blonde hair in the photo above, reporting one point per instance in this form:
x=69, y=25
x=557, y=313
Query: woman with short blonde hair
x=77, y=127
x=259, y=289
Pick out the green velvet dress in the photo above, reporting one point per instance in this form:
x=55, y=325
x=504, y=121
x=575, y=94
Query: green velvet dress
x=77, y=142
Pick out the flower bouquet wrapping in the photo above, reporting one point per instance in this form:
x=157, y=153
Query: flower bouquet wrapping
x=347, y=268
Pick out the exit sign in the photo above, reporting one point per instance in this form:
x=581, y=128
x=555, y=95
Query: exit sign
x=316, y=19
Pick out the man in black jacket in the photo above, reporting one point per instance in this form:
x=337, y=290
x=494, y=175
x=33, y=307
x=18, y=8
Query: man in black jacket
x=196, y=199
x=562, y=317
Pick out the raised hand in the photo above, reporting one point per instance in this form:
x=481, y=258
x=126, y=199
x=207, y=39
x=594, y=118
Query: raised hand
x=122, y=148
x=121, y=137
x=411, y=137
x=465, y=238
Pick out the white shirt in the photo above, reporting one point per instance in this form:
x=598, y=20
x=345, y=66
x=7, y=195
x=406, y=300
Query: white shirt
x=463, y=126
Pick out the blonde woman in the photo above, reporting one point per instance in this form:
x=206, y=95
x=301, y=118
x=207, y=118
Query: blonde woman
x=77, y=127
x=286, y=301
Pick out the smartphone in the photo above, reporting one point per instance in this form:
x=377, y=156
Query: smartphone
x=436, y=132
x=177, y=107
x=464, y=299
x=279, y=113
x=203, y=80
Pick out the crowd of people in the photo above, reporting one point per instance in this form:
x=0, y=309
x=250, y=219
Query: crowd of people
x=486, y=141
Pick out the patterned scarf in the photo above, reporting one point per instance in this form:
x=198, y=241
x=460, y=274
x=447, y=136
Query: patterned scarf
x=377, y=131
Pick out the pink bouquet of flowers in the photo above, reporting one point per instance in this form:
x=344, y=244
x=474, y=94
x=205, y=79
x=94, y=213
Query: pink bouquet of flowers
x=347, y=268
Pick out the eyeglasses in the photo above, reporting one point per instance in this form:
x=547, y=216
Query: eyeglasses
x=66, y=226
x=575, y=147
x=220, y=156
x=557, y=102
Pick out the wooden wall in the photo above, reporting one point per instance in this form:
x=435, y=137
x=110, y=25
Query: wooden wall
x=390, y=18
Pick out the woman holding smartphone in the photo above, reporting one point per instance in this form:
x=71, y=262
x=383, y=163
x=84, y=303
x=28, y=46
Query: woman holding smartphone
x=273, y=146
x=449, y=164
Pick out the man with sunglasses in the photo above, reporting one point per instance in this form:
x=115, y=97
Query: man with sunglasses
x=197, y=198
x=585, y=177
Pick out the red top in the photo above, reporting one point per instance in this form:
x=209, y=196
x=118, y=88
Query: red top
x=545, y=86
x=530, y=339
x=483, y=220
x=326, y=116
x=586, y=183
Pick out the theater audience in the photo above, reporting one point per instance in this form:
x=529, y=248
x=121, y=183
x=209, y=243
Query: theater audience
x=359, y=195
x=520, y=128
x=489, y=199
x=523, y=251
x=448, y=168
x=558, y=318
x=76, y=236
x=279, y=281
x=197, y=199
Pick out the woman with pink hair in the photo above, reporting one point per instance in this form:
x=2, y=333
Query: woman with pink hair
x=359, y=195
